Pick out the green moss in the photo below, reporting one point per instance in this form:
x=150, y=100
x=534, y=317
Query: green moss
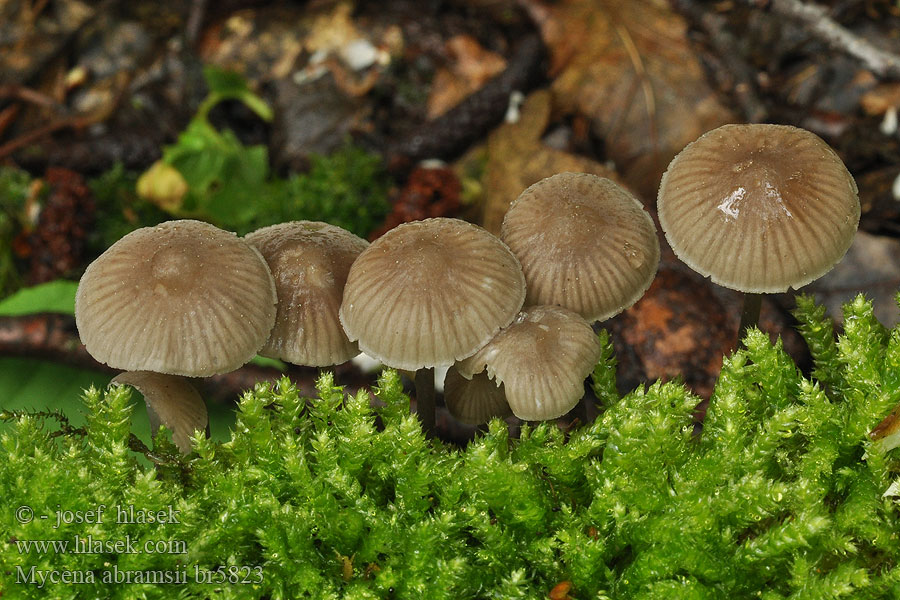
x=780, y=495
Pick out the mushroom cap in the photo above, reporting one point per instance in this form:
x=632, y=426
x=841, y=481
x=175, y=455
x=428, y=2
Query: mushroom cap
x=171, y=401
x=310, y=262
x=759, y=208
x=542, y=359
x=585, y=243
x=474, y=401
x=183, y=298
x=428, y=293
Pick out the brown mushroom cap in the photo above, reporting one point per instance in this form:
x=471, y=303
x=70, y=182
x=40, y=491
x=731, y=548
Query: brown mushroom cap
x=759, y=208
x=428, y=293
x=310, y=262
x=474, y=401
x=585, y=243
x=171, y=401
x=184, y=298
x=542, y=359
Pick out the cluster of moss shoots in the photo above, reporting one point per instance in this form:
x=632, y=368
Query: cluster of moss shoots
x=781, y=492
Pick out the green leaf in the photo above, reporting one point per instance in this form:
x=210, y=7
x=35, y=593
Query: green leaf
x=229, y=85
x=226, y=179
x=54, y=296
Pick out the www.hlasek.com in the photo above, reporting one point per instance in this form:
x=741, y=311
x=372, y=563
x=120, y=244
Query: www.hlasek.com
x=89, y=544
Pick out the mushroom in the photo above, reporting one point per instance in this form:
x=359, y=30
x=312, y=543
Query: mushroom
x=585, y=243
x=429, y=293
x=475, y=400
x=181, y=298
x=541, y=359
x=310, y=262
x=758, y=209
x=171, y=401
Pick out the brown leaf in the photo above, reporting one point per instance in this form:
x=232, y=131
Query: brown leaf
x=516, y=158
x=472, y=66
x=629, y=68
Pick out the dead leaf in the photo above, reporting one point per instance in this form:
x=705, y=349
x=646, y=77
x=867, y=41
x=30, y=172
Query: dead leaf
x=516, y=158
x=882, y=97
x=628, y=67
x=472, y=66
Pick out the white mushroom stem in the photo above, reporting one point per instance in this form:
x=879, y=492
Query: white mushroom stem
x=171, y=401
x=425, y=409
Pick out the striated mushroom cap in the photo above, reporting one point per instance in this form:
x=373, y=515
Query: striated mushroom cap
x=541, y=359
x=475, y=400
x=183, y=298
x=428, y=293
x=585, y=243
x=171, y=401
x=310, y=262
x=759, y=208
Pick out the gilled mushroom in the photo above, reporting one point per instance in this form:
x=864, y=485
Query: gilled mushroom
x=429, y=293
x=542, y=360
x=181, y=298
x=585, y=243
x=475, y=400
x=171, y=401
x=758, y=209
x=310, y=262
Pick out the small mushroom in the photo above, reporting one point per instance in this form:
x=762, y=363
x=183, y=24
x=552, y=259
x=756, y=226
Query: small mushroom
x=171, y=401
x=183, y=298
x=542, y=360
x=475, y=400
x=758, y=209
x=429, y=293
x=310, y=262
x=585, y=243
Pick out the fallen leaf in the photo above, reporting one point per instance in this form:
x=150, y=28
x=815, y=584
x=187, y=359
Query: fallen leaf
x=472, y=66
x=628, y=67
x=516, y=158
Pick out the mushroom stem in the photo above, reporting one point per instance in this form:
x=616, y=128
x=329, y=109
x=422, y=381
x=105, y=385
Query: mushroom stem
x=425, y=399
x=750, y=315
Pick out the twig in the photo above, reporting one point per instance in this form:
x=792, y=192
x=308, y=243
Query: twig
x=815, y=18
x=54, y=337
x=731, y=72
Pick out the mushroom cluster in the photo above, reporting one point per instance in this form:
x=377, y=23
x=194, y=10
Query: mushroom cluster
x=589, y=250
x=759, y=208
x=510, y=314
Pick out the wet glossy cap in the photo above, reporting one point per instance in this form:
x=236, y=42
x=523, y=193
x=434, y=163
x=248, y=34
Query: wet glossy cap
x=428, y=293
x=585, y=243
x=310, y=262
x=171, y=401
x=184, y=298
x=542, y=359
x=759, y=208
x=476, y=400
